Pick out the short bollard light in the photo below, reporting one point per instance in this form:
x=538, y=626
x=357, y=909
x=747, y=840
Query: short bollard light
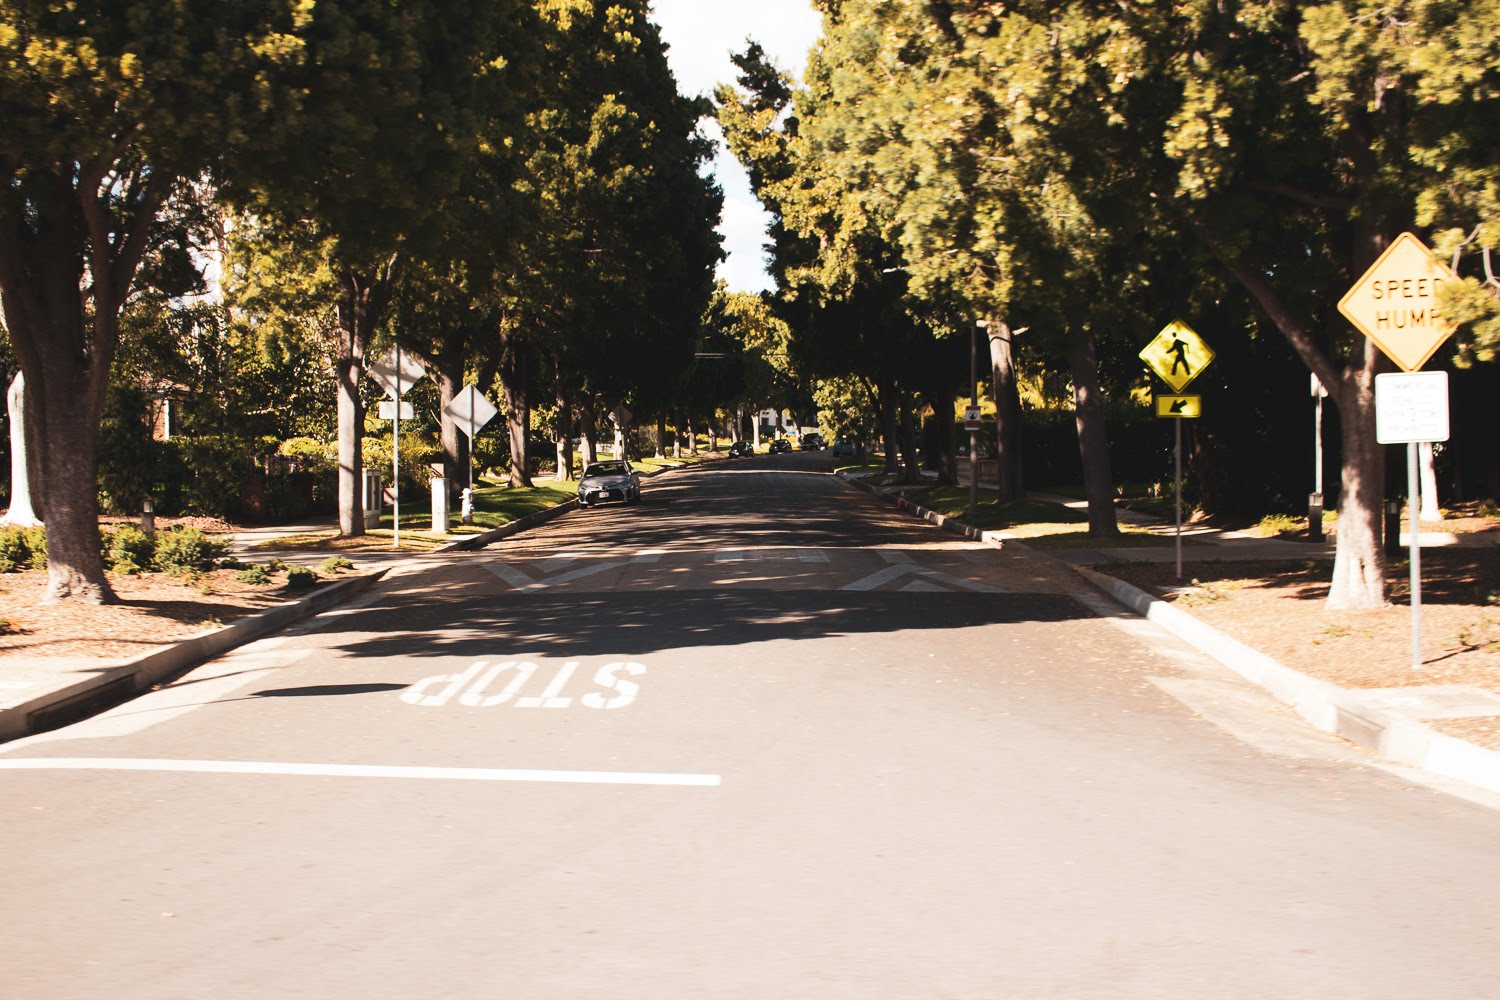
x=148, y=517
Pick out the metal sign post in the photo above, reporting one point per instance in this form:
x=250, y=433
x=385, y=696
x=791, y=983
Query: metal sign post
x=392, y=373
x=396, y=459
x=1410, y=409
x=1178, y=356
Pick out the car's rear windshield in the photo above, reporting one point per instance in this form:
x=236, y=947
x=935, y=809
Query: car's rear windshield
x=606, y=469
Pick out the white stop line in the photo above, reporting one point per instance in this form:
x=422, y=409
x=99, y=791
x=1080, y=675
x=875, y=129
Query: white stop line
x=354, y=771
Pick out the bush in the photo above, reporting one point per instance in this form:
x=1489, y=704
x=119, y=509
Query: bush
x=185, y=551
x=14, y=552
x=298, y=577
x=36, y=545
x=335, y=564
x=128, y=550
x=253, y=574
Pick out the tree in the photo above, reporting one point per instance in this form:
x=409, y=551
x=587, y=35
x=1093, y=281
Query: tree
x=111, y=109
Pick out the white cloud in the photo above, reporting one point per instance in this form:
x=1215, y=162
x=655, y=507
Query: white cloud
x=702, y=34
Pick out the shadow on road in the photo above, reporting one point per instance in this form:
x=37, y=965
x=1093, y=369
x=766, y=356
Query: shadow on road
x=607, y=623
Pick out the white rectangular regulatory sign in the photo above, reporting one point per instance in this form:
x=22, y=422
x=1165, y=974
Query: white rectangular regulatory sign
x=1411, y=407
x=388, y=410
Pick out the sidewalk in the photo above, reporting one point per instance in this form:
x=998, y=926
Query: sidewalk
x=1390, y=722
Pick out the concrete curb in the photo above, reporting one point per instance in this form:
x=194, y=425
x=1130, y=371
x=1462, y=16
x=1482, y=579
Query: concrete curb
x=1326, y=706
x=135, y=676
x=995, y=538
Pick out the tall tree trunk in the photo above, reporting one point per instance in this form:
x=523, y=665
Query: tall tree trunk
x=22, y=512
x=1007, y=412
x=692, y=436
x=889, y=402
x=1359, y=559
x=944, y=438
x=755, y=428
x=564, y=434
x=1093, y=437
x=517, y=412
x=588, y=432
x=912, y=462
x=1432, y=510
x=55, y=222
x=661, y=435
x=449, y=374
x=362, y=300
x=677, y=436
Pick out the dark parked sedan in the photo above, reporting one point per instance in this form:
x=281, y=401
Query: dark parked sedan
x=740, y=448
x=780, y=445
x=604, y=481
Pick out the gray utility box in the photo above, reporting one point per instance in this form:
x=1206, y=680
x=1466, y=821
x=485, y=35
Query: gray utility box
x=370, y=498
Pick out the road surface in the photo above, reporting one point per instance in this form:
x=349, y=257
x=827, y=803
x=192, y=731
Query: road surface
x=758, y=737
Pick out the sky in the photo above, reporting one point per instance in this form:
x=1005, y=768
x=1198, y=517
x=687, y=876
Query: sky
x=702, y=34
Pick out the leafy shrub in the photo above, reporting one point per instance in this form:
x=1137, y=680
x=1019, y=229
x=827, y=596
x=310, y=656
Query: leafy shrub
x=185, y=551
x=14, y=553
x=36, y=546
x=335, y=564
x=230, y=562
x=298, y=577
x=254, y=575
x=128, y=550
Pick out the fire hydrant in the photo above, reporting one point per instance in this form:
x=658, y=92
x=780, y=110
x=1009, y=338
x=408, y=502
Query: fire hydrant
x=466, y=506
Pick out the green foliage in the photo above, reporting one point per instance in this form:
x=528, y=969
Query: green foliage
x=300, y=577
x=335, y=564
x=128, y=550
x=15, y=554
x=183, y=551
x=36, y=547
x=253, y=574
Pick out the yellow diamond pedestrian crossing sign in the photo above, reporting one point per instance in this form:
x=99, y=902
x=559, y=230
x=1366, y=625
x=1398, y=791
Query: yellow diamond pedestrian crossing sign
x=1177, y=355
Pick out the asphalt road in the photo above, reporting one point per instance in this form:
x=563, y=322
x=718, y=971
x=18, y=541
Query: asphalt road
x=756, y=737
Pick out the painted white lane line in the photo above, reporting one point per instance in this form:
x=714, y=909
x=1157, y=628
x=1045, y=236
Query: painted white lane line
x=894, y=556
x=957, y=581
x=649, y=556
x=922, y=586
x=356, y=771
x=731, y=555
x=557, y=562
x=514, y=577
x=878, y=578
x=812, y=555
x=583, y=571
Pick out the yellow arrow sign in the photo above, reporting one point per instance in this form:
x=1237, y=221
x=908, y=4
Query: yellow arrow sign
x=1181, y=407
x=1177, y=355
x=1394, y=303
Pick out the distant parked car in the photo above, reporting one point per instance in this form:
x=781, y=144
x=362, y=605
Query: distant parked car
x=780, y=445
x=604, y=481
x=843, y=448
x=812, y=441
x=740, y=448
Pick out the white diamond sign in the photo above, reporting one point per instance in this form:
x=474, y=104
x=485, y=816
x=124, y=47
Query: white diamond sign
x=470, y=410
x=384, y=372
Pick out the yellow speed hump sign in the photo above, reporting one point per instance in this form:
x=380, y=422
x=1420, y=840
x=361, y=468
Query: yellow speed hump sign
x=1180, y=407
x=1177, y=355
x=1395, y=303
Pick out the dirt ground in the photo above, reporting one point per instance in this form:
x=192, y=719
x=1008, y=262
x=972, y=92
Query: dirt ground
x=153, y=609
x=1279, y=609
